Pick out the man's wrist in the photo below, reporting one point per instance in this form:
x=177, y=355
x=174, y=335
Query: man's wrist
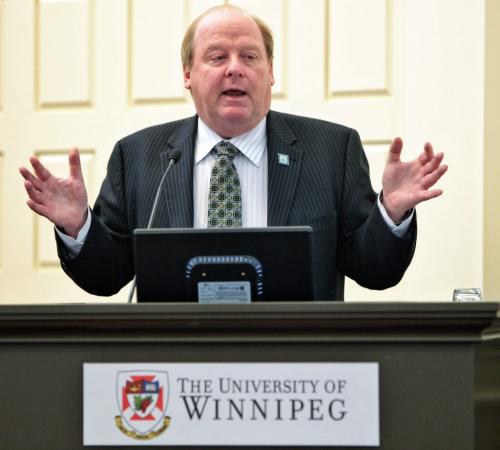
x=406, y=215
x=73, y=230
x=397, y=217
x=398, y=229
x=74, y=245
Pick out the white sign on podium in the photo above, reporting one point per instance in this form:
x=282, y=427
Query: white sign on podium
x=197, y=404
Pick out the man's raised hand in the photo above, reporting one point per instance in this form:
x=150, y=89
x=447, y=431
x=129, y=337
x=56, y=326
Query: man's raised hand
x=61, y=200
x=406, y=184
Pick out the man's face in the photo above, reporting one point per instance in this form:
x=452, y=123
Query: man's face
x=230, y=77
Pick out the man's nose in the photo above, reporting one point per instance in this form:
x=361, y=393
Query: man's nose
x=234, y=68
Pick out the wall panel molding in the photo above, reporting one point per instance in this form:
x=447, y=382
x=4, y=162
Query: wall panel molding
x=64, y=53
x=44, y=249
x=354, y=65
x=155, y=32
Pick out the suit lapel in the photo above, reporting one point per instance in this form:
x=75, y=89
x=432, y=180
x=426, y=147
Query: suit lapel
x=282, y=177
x=178, y=189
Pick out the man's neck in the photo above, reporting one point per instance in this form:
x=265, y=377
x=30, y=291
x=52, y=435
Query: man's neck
x=233, y=130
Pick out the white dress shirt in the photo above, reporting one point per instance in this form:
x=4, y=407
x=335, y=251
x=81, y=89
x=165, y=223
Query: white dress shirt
x=251, y=164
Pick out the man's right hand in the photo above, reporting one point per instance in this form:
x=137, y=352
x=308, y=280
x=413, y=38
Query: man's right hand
x=61, y=200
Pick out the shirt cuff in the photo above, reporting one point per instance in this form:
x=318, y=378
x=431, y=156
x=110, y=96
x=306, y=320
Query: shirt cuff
x=400, y=229
x=73, y=246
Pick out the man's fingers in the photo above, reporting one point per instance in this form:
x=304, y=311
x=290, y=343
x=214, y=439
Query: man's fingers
x=425, y=195
x=427, y=155
x=434, y=163
x=24, y=172
x=35, y=201
x=40, y=171
x=395, y=150
x=28, y=176
x=430, y=194
x=432, y=178
x=75, y=166
x=429, y=150
x=33, y=193
x=439, y=172
x=37, y=207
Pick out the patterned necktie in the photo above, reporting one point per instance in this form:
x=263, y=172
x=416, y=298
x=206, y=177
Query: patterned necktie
x=224, y=198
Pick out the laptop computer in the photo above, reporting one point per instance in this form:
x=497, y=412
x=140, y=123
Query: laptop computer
x=223, y=265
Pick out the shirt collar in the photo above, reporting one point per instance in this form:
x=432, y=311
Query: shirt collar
x=251, y=144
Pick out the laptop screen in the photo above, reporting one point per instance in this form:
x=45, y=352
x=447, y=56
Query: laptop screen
x=223, y=265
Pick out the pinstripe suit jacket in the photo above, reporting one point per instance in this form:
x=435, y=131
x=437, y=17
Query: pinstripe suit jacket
x=326, y=185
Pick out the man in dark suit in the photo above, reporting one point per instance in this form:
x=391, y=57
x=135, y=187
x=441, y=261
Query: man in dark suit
x=315, y=172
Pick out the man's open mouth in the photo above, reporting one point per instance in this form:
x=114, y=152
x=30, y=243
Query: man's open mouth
x=234, y=93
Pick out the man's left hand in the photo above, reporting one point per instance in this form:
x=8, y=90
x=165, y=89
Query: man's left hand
x=406, y=184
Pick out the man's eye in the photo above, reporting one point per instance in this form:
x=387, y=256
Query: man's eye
x=217, y=58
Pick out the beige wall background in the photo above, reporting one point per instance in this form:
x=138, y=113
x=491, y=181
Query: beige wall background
x=87, y=72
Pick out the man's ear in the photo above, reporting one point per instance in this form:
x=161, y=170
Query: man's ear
x=271, y=73
x=187, y=77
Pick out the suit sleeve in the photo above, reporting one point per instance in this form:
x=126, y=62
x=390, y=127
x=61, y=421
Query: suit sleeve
x=369, y=252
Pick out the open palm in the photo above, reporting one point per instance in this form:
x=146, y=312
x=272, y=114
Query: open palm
x=406, y=184
x=61, y=200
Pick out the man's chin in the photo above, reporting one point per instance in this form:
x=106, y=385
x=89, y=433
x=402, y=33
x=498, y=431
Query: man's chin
x=233, y=124
x=232, y=114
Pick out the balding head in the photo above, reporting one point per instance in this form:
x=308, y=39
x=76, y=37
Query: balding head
x=187, y=49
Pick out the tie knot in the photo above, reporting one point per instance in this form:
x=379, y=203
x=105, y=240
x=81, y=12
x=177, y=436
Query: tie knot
x=225, y=148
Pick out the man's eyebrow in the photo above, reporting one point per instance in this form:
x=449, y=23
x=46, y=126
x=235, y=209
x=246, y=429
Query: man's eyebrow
x=213, y=47
x=251, y=47
x=219, y=47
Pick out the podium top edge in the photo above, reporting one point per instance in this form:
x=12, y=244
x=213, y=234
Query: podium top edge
x=293, y=306
x=408, y=321
x=488, y=311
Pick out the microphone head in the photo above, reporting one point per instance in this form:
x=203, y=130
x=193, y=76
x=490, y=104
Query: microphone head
x=175, y=155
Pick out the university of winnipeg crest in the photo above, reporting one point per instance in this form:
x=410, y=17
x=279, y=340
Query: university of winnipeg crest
x=142, y=401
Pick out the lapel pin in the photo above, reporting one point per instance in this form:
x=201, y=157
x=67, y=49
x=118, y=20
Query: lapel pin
x=283, y=159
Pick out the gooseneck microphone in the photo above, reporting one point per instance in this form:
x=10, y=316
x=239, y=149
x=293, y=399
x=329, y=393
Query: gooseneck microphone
x=174, y=157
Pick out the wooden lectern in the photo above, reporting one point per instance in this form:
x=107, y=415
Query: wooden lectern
x=439, y=362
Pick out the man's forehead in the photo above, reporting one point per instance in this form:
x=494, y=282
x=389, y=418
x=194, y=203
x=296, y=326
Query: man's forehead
x=227, y=24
